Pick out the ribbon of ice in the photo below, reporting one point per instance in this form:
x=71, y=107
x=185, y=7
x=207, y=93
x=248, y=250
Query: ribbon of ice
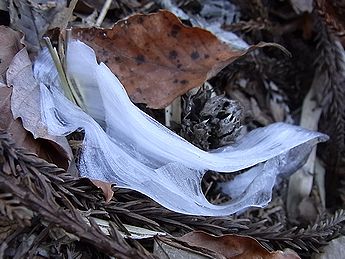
x=136, y=152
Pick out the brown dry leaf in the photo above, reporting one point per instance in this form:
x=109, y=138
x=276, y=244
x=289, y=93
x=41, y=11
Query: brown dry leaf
x=10, y=42
x=156, y=57
x=233, y=246
x=106, y=188
x=25, y=104
x=43, y=148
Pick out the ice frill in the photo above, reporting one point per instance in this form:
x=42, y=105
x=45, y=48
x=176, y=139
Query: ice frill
x=134, y=151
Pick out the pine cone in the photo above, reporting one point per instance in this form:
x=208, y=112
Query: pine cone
x=211, y=122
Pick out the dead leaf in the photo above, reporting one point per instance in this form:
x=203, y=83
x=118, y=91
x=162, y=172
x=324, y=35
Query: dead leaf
x=106, y=188
x=25, y=104
x=10, y=45
x=233, y=246
x=302, y=181
x=165, y=248
x=156, y=57
x=133, y=232
x=43, y=148
x=34, y=18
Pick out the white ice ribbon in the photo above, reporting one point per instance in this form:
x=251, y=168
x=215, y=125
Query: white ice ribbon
x=138, y=153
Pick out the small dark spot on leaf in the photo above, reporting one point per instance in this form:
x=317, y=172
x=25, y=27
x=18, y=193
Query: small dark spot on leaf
x=175, y=81
x=140, y=20
x=195, y=55
x=139, y=91
x=140, y=59
x=179, y=66
x=175, y=30
x=206, y=56
x=184, y=82
x=217, y=59
x=172, y=54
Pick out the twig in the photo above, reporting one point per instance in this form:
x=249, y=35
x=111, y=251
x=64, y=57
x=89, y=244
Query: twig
x=69, y=14
x=103, y=12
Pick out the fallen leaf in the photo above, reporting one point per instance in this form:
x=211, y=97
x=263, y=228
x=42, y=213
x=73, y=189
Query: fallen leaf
x=106, y=188
x=156, y=57
x=165, y=248
x=10, y=45
x=43, y=148
x=133, y=232
x=25, y=104
x=233, y=246
x=302, y=181
x=34, y=18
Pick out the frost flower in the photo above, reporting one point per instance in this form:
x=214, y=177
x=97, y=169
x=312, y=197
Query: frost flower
x=134, y=151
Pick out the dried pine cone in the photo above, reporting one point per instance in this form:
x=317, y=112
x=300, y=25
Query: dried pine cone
x=211, y=122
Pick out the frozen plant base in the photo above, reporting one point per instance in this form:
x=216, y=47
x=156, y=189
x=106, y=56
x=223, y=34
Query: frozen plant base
x=136, y=152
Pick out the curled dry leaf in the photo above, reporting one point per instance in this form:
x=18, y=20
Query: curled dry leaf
x=233, y=246
x=23, y=101
x=10, y=45
x=106, y=189
x=34, y=18
x=156, y=57
x=43, y=148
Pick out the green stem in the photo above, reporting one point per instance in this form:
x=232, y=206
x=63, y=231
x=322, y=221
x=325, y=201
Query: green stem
x=69, y=91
